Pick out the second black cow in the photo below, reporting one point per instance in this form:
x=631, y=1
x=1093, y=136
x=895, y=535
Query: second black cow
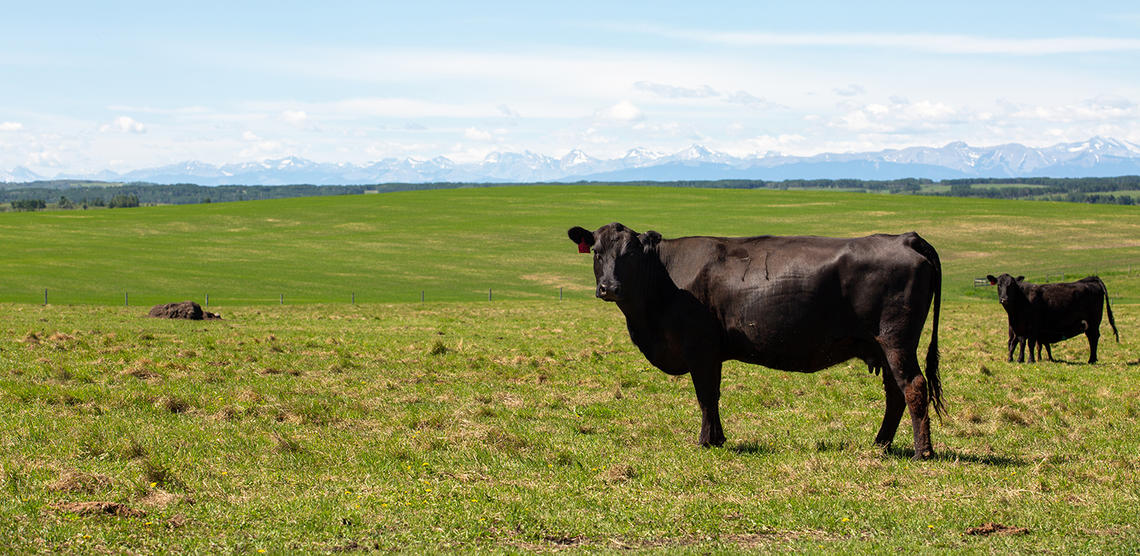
x=791, y=303
x=1048, y=313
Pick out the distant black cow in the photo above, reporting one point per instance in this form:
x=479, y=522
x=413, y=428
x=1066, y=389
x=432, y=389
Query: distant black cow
x=1049, y=313
x=791, y=303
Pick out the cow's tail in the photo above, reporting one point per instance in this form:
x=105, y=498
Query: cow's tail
x=934, y=383
x=1108, y=306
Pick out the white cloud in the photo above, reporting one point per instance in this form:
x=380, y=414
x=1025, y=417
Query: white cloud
x=249, y=136
x=44, y=159
x=125, y=124
x=477, y=134
x=788, y=143
x=672, y=91
x=507, y=111
x=11, y=126
x=624, y=112
x=923, y=42
x=295, y=117
x=748, y=99
x=901, y=115
x=851, y=90
x=264, y=149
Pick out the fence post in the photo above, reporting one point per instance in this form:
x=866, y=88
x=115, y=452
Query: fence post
x=45, y=296
x=488, y=294
x=207, y=300
x=354, y=298
x=126, y=299
x=559, y=294
x=282, y=299
x=421, y=296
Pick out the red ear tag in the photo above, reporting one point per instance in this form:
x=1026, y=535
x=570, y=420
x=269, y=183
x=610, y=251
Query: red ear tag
x=583, y=248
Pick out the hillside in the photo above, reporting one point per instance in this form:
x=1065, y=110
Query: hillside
x=455, y=245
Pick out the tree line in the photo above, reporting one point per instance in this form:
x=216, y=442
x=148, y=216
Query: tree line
x=85, y=194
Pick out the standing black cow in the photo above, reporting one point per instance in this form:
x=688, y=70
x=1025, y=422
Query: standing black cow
x=1049, y=313
x=791, y=303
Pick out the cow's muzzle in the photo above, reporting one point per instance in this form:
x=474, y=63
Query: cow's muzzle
x=608, y=291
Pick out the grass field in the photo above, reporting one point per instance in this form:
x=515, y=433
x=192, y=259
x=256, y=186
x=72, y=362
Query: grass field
x=455, y=245
x=525, y=423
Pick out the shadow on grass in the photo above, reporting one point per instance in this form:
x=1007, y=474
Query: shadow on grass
x=947, y=454
x=751, y=448
x=1057, y=361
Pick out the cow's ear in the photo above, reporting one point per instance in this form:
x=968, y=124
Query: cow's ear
x=581, y=236
x=649, y=240
x=993, y=281
x=1020, y=278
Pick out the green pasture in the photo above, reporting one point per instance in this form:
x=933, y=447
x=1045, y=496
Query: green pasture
x=535, y=426
x=526, y=423
x=455, y=245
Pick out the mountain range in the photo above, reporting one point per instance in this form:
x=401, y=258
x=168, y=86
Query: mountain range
x=1096, y=157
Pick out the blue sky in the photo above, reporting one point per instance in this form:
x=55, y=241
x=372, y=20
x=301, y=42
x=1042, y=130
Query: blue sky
x=116, y=85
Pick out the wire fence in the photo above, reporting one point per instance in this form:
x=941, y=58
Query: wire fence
x=206, y=299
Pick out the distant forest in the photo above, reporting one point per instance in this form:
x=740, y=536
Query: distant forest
x=76, y=194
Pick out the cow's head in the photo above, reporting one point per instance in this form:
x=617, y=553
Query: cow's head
x=1009, y=288
x=620, y=258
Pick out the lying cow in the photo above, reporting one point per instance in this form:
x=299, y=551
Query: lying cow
x=791, y=303
x=1049, y=313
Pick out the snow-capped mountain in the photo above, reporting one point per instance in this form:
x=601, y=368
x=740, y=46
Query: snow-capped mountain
x=18, y=174
x=1096, y=157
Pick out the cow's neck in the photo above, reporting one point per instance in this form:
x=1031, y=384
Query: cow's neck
x=650, y=299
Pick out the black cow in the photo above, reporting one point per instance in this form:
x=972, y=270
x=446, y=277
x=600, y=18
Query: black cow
x=1049, y=313
x=791, y=303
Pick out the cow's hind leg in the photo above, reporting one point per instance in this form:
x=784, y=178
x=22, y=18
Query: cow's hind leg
x=908, y=377
x=706, y=381
x=1093, y=336
x=893, y=414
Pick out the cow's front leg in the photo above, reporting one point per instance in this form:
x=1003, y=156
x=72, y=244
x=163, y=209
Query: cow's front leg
x=706, y=381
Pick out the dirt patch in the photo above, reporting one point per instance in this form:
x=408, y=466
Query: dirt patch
x=98, y=508
x=185, y=310
x=992, y=528
x=177, y=521
x=618, y=474
x=159, y=498
x=76, y=481
x=553, y=280
x=142, y=369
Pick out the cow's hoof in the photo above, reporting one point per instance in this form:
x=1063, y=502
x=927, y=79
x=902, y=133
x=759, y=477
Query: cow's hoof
x=921, y=455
